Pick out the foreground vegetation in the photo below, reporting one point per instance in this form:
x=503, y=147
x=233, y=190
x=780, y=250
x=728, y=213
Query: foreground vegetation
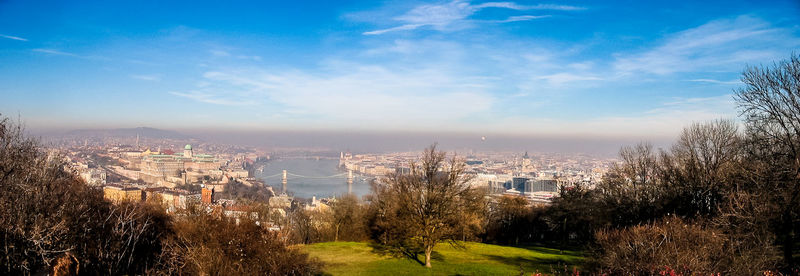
x=361, y=258
x=53, y=223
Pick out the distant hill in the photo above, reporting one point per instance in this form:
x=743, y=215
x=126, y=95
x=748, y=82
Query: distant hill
x=143, y=132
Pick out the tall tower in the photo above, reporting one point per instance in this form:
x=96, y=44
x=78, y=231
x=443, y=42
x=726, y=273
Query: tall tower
x=137, y=141
x=284, y=182
x=206, y=195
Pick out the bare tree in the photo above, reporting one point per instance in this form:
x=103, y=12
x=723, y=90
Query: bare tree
x=47, y=213
x=426, y=205
x=635, y=174
x=346, y=218
x=301, y=223
x=510, y=220
x=633, y=186
x=770, y=104
x=702, y=165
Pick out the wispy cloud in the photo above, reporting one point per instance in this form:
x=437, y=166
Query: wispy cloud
x=455, y=15
x=563, y=78
x=224, y=54
x=515, y=6
x=13, y=37
x=664, y=120
x=368, y=94
x=733, y=82
x=246, y=57
x=211, y=99
x=522, y=18
x=667, y=119
x=220, y=53
x=147, y=77
x=57, y=52
x=722, y=44
x=398, y=28
x=54, y=52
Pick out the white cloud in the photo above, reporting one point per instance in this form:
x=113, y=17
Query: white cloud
x=398, y=28
x=521, y=18
x=353, y=95
x=454, y=15
x=669, y=118
x=54, y=52
x=665, y=120
x=245, y=57
x=13, y=37
x=717, y=45
x=502, y=86
x=147, y=77
x=211, y=99
x=220, y=53
x=563, y=78
x=225, y=54
x=733, y=82
x=515, y=6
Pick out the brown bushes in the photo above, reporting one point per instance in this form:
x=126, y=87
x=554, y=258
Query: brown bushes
x=50, y=220
x=210, y=244
x=668, y=244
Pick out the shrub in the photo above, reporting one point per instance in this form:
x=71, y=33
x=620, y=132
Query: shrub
x=210, y=244
x=670, y=244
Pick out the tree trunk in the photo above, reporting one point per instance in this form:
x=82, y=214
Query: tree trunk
x=428, y=250
x=788, y=242
x=336, y=237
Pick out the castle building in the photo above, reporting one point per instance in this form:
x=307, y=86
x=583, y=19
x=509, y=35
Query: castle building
x=173, y=165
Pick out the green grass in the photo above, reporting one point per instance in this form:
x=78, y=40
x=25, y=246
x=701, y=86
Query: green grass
x=359, y=258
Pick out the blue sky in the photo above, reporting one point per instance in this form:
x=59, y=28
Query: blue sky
x=604, y=68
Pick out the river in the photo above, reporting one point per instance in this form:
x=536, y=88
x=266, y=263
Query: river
x=310, y=177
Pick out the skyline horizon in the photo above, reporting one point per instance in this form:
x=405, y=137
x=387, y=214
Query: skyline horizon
x=387, y=141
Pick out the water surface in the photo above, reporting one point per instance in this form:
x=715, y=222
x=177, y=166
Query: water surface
x=310, y=177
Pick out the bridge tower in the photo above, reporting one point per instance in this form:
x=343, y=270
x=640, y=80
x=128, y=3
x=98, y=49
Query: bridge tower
x=284, y=182
x=349, y=182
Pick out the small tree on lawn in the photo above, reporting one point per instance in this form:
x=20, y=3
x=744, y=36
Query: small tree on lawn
x=424, y=206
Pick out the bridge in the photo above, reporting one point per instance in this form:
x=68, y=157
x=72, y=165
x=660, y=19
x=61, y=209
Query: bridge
x=285, y=178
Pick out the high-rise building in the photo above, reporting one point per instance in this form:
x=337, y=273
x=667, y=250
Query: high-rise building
x=521, y=184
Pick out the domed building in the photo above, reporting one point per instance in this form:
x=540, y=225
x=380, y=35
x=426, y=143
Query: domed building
x=187, y=151
x=173, y=165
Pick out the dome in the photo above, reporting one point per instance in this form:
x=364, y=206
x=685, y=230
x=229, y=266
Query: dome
x=187, y=147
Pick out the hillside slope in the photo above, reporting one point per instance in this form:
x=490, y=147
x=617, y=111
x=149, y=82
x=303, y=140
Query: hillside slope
x=359, y=258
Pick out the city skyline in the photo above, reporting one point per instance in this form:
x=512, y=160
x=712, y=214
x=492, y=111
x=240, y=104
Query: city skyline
x=569, y=69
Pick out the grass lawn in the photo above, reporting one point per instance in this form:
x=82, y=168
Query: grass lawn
x=359, y=258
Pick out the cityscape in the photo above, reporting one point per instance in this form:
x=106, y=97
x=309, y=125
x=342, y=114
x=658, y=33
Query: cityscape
x=162, y=167
x=429, y=137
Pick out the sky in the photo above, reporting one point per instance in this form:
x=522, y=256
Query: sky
x=559, y=68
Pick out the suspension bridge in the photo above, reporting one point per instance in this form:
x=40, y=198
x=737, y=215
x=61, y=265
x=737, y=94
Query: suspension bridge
x=285, y=175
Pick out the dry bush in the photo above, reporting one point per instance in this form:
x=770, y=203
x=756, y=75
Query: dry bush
x=46, y=212
x=670, y=243
x=745, y=220
x=209, y=244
